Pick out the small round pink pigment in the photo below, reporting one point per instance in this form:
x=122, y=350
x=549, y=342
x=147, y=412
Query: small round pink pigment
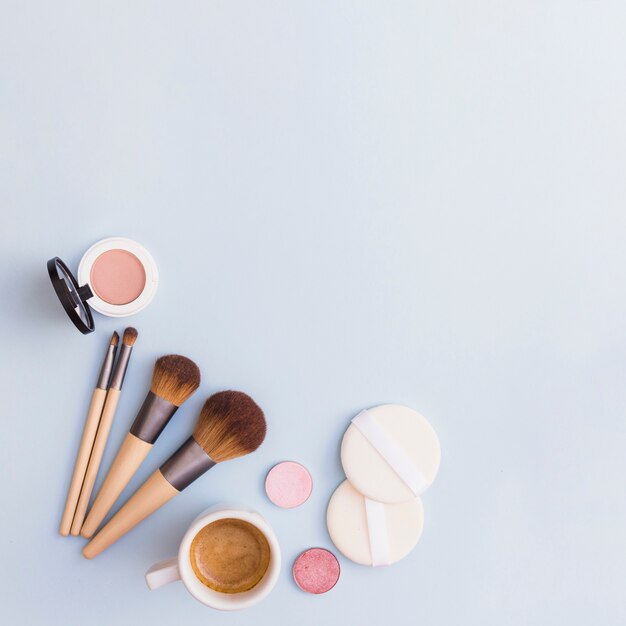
x=316, y=570
x=288, y=484
x=118, y=277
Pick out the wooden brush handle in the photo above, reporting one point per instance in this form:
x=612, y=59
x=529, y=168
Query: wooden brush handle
x=153, y=494
x=82, y=459
x=102, y=435
x=130, y=456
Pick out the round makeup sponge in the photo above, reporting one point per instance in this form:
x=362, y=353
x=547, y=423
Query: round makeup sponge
x=372, y=533
x=390, y=453
x=316, y=570
x=288, y=484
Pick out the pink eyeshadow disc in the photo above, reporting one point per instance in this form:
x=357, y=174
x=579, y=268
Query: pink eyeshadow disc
x=118, y=277
x=288, y=484
x=316, y=570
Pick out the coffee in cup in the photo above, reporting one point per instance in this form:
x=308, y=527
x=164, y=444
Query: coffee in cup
x=229, y=555
x=229, y=558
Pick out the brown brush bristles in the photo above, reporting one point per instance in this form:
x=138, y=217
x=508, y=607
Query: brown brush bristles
x=175, y=378
x=130, y=336
x=231, y=424
x=114, y=339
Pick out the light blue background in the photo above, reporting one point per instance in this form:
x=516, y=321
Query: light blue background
x=350, y=203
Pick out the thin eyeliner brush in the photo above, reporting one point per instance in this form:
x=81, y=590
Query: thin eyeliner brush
x=89, y=435
x=110, y=405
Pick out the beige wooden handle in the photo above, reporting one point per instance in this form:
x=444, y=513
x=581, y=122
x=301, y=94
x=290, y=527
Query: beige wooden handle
x=130, y=456
x=96, y=457
x=82, y=459
x=153, y=494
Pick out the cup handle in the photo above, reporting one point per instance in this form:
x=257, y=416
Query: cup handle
x=162, y=573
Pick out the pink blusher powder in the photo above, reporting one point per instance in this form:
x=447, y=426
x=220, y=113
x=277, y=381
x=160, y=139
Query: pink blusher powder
x=118, y=277
x=288, y=484
x=316, y=570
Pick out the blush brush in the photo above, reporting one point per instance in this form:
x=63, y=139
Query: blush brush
x=174, y=379
x=89, y=434
x=230, y=425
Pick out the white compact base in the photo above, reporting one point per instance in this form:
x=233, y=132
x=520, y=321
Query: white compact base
x=149, y=266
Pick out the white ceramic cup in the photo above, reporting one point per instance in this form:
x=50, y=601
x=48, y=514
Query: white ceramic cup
x=179, y=568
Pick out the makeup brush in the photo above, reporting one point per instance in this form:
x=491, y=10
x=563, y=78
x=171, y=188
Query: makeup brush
x=113, y=395
x=89, y=434
x=175, y=378
x=230, y=425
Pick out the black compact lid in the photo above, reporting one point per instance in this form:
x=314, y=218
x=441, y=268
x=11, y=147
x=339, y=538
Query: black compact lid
x=72, y=296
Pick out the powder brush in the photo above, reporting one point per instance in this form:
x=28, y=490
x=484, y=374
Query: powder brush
x=104, y=427
x=89, y=434
x=174, y=379
x=230, y=425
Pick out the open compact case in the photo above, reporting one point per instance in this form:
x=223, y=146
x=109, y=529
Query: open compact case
x=117, y=276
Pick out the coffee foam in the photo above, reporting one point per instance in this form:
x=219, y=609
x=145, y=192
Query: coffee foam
x=230, y=555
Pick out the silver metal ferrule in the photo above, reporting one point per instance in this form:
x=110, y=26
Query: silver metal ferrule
x=120, y=367
x=153, y=417
x=186, y=464
x=107, y=368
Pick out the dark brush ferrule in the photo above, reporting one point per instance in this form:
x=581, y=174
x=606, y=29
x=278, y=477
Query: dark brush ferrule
x=153, y=416
x=120, y=367
x=107, y=368
x=189, y=462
